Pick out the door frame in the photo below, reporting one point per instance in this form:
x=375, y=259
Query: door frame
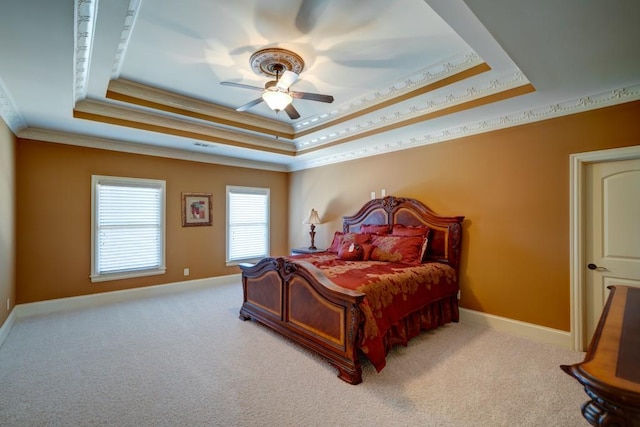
x=577, y=233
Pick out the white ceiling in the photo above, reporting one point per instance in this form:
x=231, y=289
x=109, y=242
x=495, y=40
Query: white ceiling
x=403, y=72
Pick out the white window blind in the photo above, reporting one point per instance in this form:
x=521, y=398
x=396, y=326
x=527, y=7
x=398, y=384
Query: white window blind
x=247, y=223
x=128, y=228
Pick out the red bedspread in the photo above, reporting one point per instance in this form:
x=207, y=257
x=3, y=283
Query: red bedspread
x=392, y=291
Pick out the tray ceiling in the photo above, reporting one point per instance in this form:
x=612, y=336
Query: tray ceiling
x=144, y=75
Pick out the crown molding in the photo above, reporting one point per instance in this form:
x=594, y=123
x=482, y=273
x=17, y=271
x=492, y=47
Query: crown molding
x=426, y=77
x=574, y=106
x=121, y=115
x=485, y=92
x=8, y=110
x=79, y=140
x=85, y=18
x=159, y=99
x=127, y=29
x=442, y=76
x=601, y=100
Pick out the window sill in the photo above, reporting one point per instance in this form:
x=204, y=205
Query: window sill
x=244, y=261
x=126, y=275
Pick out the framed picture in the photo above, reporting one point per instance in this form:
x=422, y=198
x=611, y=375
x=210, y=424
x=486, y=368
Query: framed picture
x=196, y=209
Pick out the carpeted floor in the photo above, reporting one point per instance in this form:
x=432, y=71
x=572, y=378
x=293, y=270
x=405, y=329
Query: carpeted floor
x=185, y=359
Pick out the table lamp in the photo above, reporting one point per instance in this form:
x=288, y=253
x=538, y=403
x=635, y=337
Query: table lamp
x=313, y=219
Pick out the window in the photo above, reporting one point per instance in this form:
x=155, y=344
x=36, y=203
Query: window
x=127, y=227
x=247, y=224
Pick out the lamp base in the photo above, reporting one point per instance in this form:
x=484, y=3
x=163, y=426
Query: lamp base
x=312, y=233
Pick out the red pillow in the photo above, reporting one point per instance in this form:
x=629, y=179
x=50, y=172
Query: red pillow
x=400, y=249
x=367, y=248
x=350, y=252
x=339, y=238
x=335, y=243
x=374, y=228
x=410, y=230
x=414, y=230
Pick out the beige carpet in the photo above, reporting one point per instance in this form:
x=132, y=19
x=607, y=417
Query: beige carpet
x=187, y=360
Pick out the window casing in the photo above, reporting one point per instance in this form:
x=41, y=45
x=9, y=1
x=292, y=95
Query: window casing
x=247, y=224
x=127, y=227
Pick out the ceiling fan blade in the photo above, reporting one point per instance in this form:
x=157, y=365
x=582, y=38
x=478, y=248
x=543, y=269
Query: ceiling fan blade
x=312, y=96
x=292, y=112
x=234, y=84
x=288, y=78
x=248, y=105
x=308, y=15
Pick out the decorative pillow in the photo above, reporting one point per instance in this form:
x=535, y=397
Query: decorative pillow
x=410, y=230
x=401, y=249
x=339, y=238
x=374, y=228
x=367, y=248
x=350, y=252
x=414, y=230
x=335, y=243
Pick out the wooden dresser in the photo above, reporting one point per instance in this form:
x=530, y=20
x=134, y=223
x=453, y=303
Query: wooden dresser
x=610, y=372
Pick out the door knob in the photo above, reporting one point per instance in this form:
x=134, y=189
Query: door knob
x=592, y=266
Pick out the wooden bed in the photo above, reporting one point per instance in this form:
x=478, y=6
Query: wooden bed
x=298, y=300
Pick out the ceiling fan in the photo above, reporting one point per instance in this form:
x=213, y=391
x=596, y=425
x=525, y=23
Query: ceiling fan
x=285, y=66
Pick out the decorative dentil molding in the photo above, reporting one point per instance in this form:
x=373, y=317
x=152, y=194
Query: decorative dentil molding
x=8, y=110
x=426, y=106
x=127, y=29
x=424, y=77
x=85, y=19
x=575, y=106
x=592, y=102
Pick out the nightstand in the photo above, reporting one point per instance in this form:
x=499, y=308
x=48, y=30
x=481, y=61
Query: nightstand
x=295, y=251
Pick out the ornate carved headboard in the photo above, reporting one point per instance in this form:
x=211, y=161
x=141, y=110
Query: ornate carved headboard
x=446, y=231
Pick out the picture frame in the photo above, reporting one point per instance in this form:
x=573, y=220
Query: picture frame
x=196, y=209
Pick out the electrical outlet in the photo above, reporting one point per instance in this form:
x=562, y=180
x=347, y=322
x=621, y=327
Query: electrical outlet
x=186, y=271
x=373, y=195
x=383, y=192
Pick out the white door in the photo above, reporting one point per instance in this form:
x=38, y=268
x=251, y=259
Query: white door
x=612, y=249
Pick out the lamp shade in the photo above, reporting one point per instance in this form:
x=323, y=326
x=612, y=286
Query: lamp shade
x=313, y=218
x=276, y=100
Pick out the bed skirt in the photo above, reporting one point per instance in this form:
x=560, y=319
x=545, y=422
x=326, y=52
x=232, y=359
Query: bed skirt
x=432, y=316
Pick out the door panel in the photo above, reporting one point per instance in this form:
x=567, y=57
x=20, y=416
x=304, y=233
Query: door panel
x=613, y=232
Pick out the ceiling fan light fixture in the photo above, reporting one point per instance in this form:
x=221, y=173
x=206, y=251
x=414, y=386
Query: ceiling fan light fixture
x=276, y=100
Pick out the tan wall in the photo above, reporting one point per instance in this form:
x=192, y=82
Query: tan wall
x=513, y=187
x=7, y=221
x=53, y=216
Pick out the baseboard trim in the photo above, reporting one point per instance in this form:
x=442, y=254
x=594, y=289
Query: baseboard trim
x=531, y=331
x=7, y=325
x=93, y=300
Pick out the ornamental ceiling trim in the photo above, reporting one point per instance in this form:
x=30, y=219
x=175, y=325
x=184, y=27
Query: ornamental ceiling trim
x=122, y=115
x=425, y=107
x=158, y=99
x=85, y=17
x=575, y=106
x=127, y=29
x=447, y=68
x=8, y=110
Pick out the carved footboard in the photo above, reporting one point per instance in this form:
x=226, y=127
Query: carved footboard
x=300, y=302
